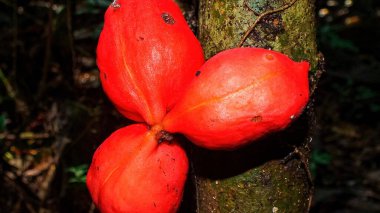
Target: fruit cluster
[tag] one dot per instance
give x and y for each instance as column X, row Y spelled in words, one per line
column 153, row 70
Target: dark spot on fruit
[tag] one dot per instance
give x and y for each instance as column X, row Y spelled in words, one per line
column 197, row 73
column 154, row 204
column 168, row 109
column 168, row 19
column 269, row 57
column 104, row 76
column 141, row 38
column 97, row 168
column 257, row 118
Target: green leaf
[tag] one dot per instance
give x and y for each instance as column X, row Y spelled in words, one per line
column 78, row 173
column 320, row 157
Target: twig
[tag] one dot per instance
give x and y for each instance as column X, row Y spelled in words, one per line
column 305, row 164
column 92, row 208
column 46, row 65
column 45, row 186
column 317, row 75
column 23, row 189
column 25, row 136
column 262, row 15
column 21, row 105
column 8, row 87
column 69, row 22
column 15, row 38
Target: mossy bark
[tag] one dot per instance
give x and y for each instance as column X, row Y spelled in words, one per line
column 260, row 177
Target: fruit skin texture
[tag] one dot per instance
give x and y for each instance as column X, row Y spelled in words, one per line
column 131, row 172
column 146, row 55
column 240, row 95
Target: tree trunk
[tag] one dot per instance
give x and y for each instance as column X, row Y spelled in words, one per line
column 265, row 176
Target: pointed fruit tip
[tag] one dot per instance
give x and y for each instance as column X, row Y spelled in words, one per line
column 304, row 66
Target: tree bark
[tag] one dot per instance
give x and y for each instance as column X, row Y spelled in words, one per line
column 272, row 174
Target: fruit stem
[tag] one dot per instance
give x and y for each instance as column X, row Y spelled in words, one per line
column 163, row 136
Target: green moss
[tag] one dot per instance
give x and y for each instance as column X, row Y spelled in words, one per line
column 221, row 25
column 260, row 189
column 298, row 41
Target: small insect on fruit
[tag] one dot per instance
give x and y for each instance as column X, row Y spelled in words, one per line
column 240, row 95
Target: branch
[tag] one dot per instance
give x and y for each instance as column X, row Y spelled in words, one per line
column 45, row 67
column 24, row 136
column 8, row 87
column 15, row 38
column 261, row 16
column 70, row 31
column 21, row 105
column 305, row 163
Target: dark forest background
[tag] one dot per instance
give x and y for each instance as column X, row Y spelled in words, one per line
column 53, row 112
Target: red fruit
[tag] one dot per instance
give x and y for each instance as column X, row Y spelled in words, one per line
column 131, row 172
column 240, row 95
column 146, row 54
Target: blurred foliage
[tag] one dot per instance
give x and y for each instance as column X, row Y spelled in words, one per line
column 319, row 158
column 78, row 173
column 329, row 37
column 346, row 150
column 348, row 36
